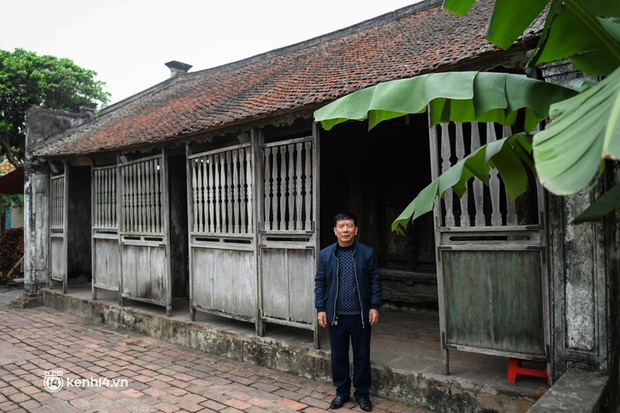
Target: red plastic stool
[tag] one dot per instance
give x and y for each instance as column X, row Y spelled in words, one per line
column 515, row 367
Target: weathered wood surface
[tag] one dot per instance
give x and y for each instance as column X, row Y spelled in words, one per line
column 223, row 271
column 288, row 175
column 288, row 285
column 144, row 209
column 288, row 240
column 480, row 206
column 58, row 257
column 106, row 257
column 491, row 279
column 104, row 198
column 107, row 262
column 57, row 202
column 141, row 196
column 494, row 300
column 145, row 272
column 221, row 192
column 224, row 281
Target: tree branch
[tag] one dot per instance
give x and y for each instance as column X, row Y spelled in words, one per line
column 4, row 142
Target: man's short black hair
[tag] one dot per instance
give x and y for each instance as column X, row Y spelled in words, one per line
column 342, row 216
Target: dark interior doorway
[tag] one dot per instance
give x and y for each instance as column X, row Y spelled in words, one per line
column 375, row 174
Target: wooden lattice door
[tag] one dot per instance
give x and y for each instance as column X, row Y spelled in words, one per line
column 288, row 231
column 145, row 231
column 491, row 255
column 58, row 229
column 105, row 232
column 222, row 232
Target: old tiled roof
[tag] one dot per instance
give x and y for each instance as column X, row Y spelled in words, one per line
column 417, row 39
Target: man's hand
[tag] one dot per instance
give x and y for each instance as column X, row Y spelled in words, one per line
column 373, row 317
column 322, row 318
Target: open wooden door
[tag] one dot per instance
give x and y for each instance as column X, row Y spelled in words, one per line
column 58, row 228
column 106, row 263
column 145, row 231
column 288, row 231
column 222, row 245
column 491, row 258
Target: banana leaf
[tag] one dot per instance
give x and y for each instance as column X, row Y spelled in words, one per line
column 608, row 202
column 458, row 97
column 584, row 131
column 508, row 155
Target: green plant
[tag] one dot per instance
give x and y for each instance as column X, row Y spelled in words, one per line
column 568, row 154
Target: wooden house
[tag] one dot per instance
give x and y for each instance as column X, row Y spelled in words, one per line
column 216, row 185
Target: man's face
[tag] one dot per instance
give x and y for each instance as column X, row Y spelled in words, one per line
column 345, row 231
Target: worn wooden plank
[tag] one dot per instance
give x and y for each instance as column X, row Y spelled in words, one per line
column 460, row 154
column 275, row 283
column 105, row 215
column 57, row 202
column 199, row 194
column 290, row 187
column 511, row 212
column 301, row 276
column 106, row 269
column 234, row 293
column 298, row 187
column 267, row 189
column 249, row 181
column 229, row 194
column 477, row 185
column 142, row 211
column 58, row 265
column 122, row 172
column 480, row 288
column 446, row 163
column 104, row 198
column 129, row 198
column 244, row 208
column 282, row 189
column 289, row 277
column 114, row 197
column 211, row 187
column 308, row 187
column 236, row 194
column 223, row 195
column 217, row 195
column 494, row 186
column 99, row 193
column 148, row 197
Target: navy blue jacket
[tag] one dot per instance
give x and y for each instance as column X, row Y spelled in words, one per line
column 367, row 275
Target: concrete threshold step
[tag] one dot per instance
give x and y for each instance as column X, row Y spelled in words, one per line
column 292, row 352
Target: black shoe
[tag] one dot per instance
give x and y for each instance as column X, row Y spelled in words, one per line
column 338, row 402
column 365, row 404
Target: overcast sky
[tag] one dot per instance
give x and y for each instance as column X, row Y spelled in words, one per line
column 127, row 42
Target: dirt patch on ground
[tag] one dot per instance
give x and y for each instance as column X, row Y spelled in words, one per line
column 11, row 251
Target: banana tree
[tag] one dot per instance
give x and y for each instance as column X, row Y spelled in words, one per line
column 568, row 154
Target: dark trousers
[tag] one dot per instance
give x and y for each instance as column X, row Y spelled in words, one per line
column 349, row 329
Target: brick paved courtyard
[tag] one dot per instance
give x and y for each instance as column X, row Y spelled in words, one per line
column 110, row 370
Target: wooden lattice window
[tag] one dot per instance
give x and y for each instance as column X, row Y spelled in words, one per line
column 222, row 191
column 288, row 185
column 141, row 202
column 481, row 205
column 104, row 212
column 57, row 218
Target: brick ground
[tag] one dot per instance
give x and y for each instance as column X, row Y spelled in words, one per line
column 160, row 376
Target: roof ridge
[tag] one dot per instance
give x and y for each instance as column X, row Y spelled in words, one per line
column 374, row 21
column 281, row 51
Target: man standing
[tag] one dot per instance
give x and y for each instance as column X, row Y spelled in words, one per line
column 347, row 298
